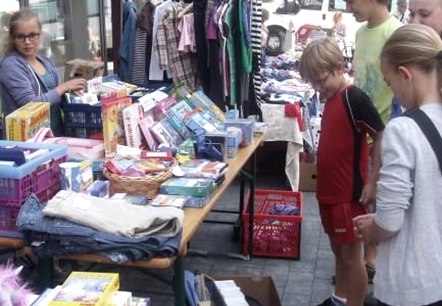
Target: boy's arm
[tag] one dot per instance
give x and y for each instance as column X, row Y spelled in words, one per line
column 369, row 192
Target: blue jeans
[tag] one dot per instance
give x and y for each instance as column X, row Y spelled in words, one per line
column 60, row 237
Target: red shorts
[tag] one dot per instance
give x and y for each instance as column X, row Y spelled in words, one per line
column 337, row 220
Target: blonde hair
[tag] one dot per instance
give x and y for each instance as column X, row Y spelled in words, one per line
column 321, row 55
column 337, row 17
column 24, row 14
column 414, row 45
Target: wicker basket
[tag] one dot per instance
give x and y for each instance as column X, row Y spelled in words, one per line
column 143, row 185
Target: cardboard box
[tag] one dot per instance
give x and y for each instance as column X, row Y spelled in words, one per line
column 307, row 176
column 261, row 289
column 81, row 68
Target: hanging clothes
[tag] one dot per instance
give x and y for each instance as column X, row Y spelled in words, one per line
column 168, row 38
column 127, row 42
column 252, row 106
column 143, row 46
column 187, row 34
column 155, row 72
column 199, row 11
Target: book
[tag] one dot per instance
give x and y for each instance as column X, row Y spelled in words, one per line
column 197, row 122
column 178, row 125
column 162, row 135
column 86, row 289
column 145, row 125
column 181, row 110
column 149, row 100
column 113, row 126
column 197, row 187
column 199, row 99
column 131, row 116
column 203, row 168
column 167, row 200
column 177, row 138
column 162, row 106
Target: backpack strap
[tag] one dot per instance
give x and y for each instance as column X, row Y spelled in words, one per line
column 430, row 131
column 350, row 113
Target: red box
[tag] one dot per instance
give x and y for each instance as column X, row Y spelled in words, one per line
column 274, row 235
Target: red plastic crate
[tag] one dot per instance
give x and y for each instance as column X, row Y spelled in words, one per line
column 274, row 235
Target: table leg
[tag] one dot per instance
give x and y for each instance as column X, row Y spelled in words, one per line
column 45, row 270
column 252, row 202
column 178, row 282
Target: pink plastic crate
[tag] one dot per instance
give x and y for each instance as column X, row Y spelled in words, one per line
column 40, row 176
column 274, row 235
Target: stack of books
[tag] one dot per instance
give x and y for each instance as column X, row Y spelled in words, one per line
column 197, row 190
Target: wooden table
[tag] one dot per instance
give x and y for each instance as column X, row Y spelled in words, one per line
column 193, row 218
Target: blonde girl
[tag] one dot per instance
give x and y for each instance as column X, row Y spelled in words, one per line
column 408, row 218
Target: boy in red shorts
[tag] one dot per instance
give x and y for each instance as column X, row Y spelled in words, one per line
column 344, row 187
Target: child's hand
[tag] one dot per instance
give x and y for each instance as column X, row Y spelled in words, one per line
column 368, row 195
column 363, row 226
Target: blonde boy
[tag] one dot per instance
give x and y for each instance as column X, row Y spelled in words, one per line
column 343, row 184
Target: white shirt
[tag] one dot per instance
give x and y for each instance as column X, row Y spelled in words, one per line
column 409, row 201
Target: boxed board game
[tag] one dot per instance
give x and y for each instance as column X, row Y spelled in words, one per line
column 24, row 122
column 86, row 289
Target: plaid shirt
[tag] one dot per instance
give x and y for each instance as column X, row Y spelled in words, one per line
column 161, row 46
column 180, row 63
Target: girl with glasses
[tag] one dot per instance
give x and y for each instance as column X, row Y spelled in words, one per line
column 27, row 76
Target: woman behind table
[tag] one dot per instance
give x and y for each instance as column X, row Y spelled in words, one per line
column 26, row 76
column 408, row 218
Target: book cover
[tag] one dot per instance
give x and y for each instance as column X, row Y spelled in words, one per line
column 197, row 122
column 197, row 187
column 162, row 106
column 149, row 100
column 177, row 138
column 162, row 135
column 212, row 107
column 182, row 110
column 131, row 116
column 113, row 126
column 86, row 289
column 178, row 125
column 212, row 119
column 167, row 200
column 145, row 125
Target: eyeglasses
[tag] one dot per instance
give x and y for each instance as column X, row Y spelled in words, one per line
column 22, row 38
column 320, row 82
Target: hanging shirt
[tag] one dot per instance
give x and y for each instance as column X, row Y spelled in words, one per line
column 155, row 72
column 187, row 34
